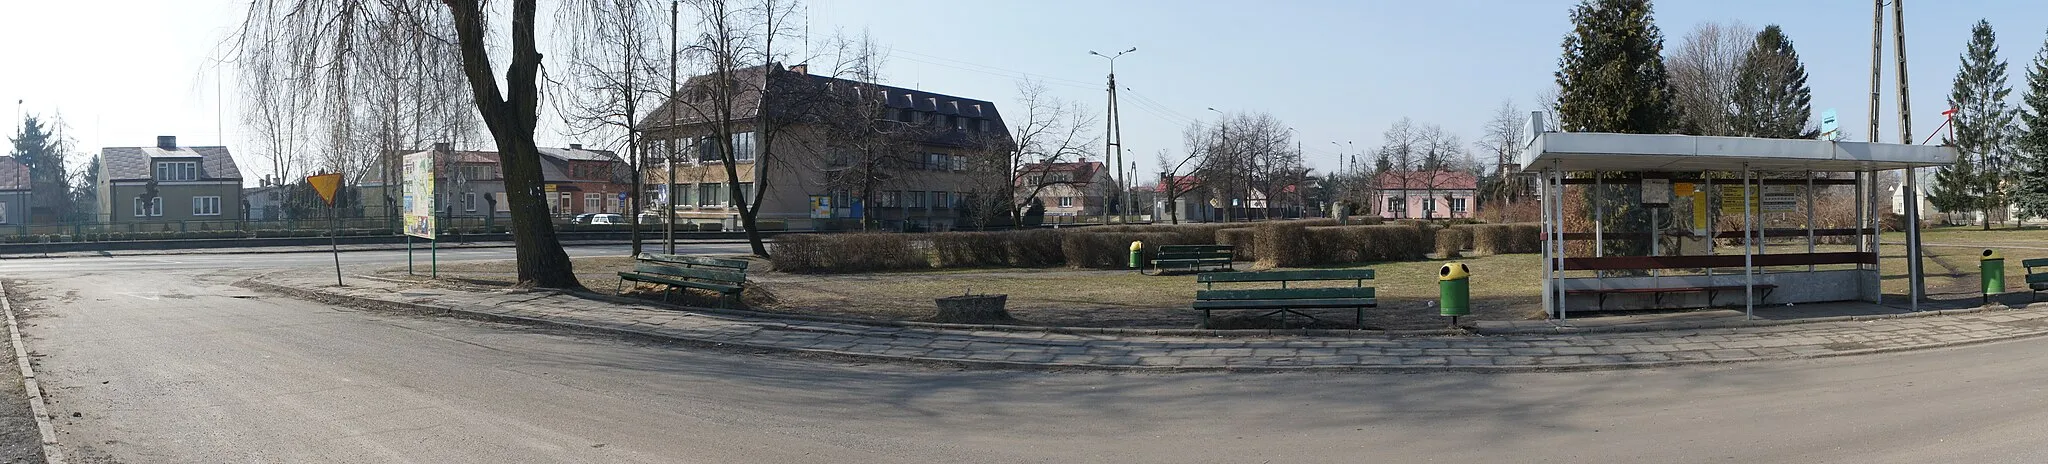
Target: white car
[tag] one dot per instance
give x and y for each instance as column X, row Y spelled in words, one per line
column 607, row 219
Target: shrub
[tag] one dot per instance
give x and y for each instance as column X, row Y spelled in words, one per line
column 1242, row 242
column 1111, row 250
column 711, row 227
column 969, row 249
column 1358, row 244
column 771, row 225
column 814, row 253
column 1282, row 245
column 1493, row 239
column 1452, row 240
column 1035, row 248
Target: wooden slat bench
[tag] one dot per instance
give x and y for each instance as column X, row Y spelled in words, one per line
column 1644, row 263
column 1285, row 300
column 2037, row 281
column 1193, row 257
column 728, row 277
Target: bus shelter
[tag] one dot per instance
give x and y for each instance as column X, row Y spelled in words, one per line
column 1634, row 221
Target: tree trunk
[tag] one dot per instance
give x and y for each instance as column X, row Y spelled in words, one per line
column 511, row 119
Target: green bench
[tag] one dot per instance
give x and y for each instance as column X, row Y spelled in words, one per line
column 1193, row 257
column 728, row 277
column 2037, row 282
column 1284, row 300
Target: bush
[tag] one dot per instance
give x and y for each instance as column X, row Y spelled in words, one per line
column 1452, row 240
column 771, row 225
column 969, row 249
column 1242, row 242
column 1359, row 244
column 1282, row 245
column 1111, row 250
column 1493, row 239
column 711, row 227
column 814, row 253
column 1035, row 248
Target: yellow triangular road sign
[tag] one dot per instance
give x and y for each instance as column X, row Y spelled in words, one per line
column 326, row 185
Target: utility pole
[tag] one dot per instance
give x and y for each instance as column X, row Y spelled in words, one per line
column 1918, row 282
column 1876, row 65
column 1113, row 141
column 1223, row 127
column 669, row 206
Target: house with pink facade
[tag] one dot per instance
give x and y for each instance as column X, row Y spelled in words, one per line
column 1425, row 194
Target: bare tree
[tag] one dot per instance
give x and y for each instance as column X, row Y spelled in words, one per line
column 1175, row 180
column 1053, row 130
column 614, row 66
column 1703, row 70
column 1505, row 137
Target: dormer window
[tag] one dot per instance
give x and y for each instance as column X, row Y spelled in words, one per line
column 171, row 171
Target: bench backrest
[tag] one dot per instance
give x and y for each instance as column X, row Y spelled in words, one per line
column 1617, row 263
column 695, row 261
column 1285, row 276
column 1163, row 249
column 704, row 274
column 1287, row 293
column 2036, row 262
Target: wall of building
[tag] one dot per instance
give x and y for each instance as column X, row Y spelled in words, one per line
column 15, row 210
column 177, row 201
column 1418, row 202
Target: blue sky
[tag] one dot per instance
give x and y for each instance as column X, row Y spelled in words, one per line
column 123, row 72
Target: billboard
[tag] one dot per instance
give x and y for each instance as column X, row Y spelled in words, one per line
column 419, row 195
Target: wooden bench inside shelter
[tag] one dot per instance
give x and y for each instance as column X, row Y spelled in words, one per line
column 1646, row 263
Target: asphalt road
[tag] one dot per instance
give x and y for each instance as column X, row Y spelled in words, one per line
column 163, row 361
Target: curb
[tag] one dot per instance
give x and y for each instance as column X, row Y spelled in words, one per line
column 52, row 454
column 262, row 251
column 373, row 303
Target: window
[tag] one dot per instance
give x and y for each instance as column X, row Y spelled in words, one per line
column 593, row 202
column 205, row 206
column 477, row 173
column 984, row 125
column 3, row 212
column 504, row 206
column 743, row 146
column 915, row 199
column 568, row 200
column 942, row 200
column 1428, row 205
column 1066, row 202
column 889, row 199
column 905, row 115
column 686, row 195
column 956, row 122
column 959, row 163
column 153, row 207
column 709, row 194
column 469, row 202
column 177, row 170
column 1457, row 205
column 1396, row 205
column 937, row 161
column 746, row 192
column 707, row 150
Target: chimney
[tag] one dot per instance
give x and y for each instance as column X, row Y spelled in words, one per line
column 575, row 146
column 800, row 68
column 443, row 147
column 167, row 142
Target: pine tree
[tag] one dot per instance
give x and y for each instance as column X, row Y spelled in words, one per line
column 42, row 149
column 1612, row 78
column 1771, row 97
column 2030, row 144
column 1982, row 125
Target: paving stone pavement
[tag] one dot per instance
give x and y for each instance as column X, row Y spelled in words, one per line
column 1368, row 351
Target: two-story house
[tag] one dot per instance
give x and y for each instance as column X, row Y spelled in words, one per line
column 168, row 182
column 844, row 152
column 14, row 191
column 1425, row 194
column 470, row 184
column 1081, row 188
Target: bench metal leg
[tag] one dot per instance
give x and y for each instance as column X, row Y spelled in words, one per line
column 1204, row 323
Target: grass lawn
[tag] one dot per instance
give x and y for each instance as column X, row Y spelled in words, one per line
column 1505, row 287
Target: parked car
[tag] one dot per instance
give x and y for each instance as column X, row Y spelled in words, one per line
column 605, row 219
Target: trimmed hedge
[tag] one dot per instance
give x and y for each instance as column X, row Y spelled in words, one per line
column 1028, row 248
column 1112, row 250
column 822, row 253
column 1282, row 244
column 1493, row 239
column 1035, row 248
column 1243, row 243
column 1452, row 240
column 1359, row 244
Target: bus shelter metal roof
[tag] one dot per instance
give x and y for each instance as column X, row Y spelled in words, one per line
column 1592, row 151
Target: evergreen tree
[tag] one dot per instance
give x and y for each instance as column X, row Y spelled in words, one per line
column 1612, row 78
column 1771, row 97
column 2030, row 144
column 42, row 149
column 1982, row 125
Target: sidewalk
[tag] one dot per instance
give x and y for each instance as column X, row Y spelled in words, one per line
column 1517, row 347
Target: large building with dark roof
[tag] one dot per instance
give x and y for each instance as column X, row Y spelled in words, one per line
column 845, row 151
column 168, row 182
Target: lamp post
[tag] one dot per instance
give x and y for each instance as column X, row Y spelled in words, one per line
column 1223, row 127
column 1113, row 139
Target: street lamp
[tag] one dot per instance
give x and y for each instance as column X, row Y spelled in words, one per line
column 1114, row 138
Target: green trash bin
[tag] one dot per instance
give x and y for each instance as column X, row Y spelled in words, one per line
column 1454, row 285
column 1137, row 247
column 1991, row 268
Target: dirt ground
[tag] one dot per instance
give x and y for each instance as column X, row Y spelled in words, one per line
column 20, row 442
column 1505, row 287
